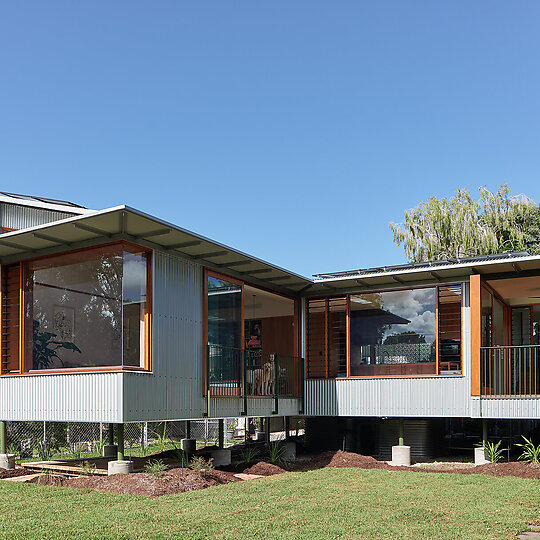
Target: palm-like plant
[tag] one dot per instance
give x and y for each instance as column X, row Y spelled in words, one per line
column 45, row 347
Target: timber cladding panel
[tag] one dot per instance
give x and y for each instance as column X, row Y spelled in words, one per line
column 11, row 283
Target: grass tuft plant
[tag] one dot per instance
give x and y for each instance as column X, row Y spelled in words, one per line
column 530, row 453
column 44, row 451
column 88, row 468
column 493, row 451
column 200, row 465
column 155, row 467
column 249, row 454
column 276, row 450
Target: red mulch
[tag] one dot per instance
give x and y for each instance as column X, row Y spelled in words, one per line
column 264, row 469
column 19, row 471
column 341, row 459
column 166, row 483
column 178, row 481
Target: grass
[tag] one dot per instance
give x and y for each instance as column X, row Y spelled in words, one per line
column 326, row 503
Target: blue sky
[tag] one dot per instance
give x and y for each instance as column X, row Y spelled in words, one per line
column 294, row 131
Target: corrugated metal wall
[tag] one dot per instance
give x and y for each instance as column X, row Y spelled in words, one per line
column 13, row 216
column 433, row 396
column 507, row 407
column 81, row 397
column 174, row 388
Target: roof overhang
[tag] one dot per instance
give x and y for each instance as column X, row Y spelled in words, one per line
column 125, row 223
column 496, row 267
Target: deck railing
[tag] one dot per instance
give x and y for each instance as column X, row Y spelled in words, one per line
column 510, row 371
column 253, row 373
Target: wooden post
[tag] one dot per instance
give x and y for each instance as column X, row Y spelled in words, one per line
column 476, row 332
column 484, row 431
column 401, row 432
column 111, row 434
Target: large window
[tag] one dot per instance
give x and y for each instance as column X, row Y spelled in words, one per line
column 87, row 309
column 385, row 333
column 393, row 333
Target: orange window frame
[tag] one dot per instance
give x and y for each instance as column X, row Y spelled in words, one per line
column 23, row 361
column 208, row 272
column 348, row 325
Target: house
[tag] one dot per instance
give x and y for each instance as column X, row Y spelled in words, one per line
column 116, row 316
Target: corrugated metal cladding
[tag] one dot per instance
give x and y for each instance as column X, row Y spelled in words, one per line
column 14, row 216
column 174, row 388
column 511, row 407
column 81, row 397
column 433, row 396
column 227, row 407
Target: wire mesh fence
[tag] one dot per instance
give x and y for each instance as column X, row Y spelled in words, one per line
column 75, row 439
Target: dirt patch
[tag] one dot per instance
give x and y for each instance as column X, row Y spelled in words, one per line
column 19, row 471
column 341, row 459
column 512, row 468
column 263, row 468
column 166, row 483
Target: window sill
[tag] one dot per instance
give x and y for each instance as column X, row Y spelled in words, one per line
column 71, row 371
column 420, row 376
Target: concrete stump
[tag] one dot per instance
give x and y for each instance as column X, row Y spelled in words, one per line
column 7, row 461
column 188, row 446
column 120, row 467
column 221, row 458
column 260, row 436
column 480, row 456
column 289, row 451
column 401, row 456
column 110, row 450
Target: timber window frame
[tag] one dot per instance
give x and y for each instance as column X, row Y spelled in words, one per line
column 22, row 302
column 446, row 363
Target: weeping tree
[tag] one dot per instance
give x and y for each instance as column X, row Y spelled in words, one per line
column 462, row 226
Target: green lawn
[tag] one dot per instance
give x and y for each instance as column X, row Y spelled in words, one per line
column 326, row 503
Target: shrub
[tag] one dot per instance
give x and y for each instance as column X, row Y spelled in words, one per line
column 201, row 465
column 155, row 467
column 275, row 452
column 44, row 451
column 530, row 452
column 493, row 451
column 249, row 454
column 88, row 468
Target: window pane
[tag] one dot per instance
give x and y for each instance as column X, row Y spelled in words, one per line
column 73, row 307
column 393, row 333
column 134, row 308
column 450, row 329
column 224, row 313
column 86, row 309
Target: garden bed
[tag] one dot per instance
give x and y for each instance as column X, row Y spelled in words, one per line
column 180, row 480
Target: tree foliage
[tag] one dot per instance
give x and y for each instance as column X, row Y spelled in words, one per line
column 462, row 226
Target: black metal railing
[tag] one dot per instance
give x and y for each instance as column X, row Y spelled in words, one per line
column 510, row 370
column 252, row 373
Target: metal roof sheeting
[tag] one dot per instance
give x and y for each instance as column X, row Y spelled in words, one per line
column 125, row 223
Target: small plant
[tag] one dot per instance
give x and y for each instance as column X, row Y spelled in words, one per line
column 276, row 450
column 249, row 454
column 13, row 448
column 200, row 465
column 88, row 468
column 493, row 451
column 44, row 451
column 155, row 467
column 144, row 447
column 530, row 453
column 162, row 437
column 98, row 448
